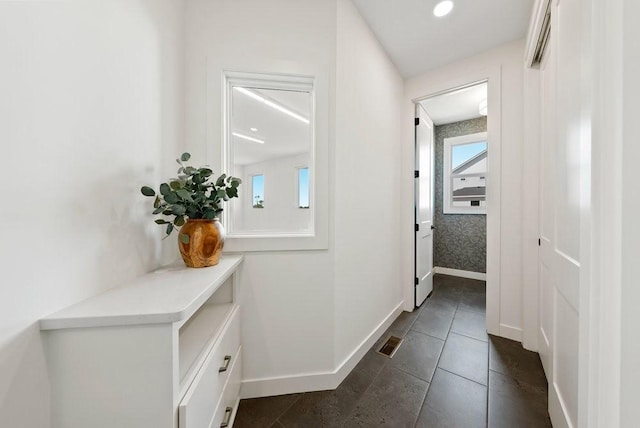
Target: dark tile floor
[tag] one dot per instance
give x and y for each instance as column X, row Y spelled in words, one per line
column 448, row 372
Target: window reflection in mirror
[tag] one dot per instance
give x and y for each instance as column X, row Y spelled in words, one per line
column 269, row 136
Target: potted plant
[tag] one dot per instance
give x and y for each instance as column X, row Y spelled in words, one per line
column 192, row 202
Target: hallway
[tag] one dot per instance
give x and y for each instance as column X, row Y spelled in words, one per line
column 447, row 373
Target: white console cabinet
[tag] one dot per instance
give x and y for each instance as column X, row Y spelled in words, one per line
column 161, row 352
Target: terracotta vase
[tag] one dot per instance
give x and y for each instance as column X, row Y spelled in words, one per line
column 206, row 239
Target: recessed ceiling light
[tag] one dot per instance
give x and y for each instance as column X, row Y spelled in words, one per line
column 443, row 8
column 254, row 129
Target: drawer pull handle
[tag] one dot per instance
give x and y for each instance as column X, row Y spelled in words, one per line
column 227, row 417
column 227, row 361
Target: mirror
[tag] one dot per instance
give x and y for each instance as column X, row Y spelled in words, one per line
column 269, row 145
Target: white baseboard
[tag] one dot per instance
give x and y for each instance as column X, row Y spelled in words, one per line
column 322, row 381
column 513, row 333
column 461, row 273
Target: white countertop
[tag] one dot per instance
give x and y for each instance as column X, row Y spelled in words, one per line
column 170, row 294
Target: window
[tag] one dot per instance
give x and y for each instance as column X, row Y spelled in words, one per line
column 257, row 186
column 303, row 187
column 464, row 175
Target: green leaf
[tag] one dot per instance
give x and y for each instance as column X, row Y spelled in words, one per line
column 147, row 191
column 171, row 198
column 232, row 192
column 175, row 184
column 220, row 180
column 235, row 183
column 185, row 157
column 158, row 210
column 164, row 189
column 190, row 170
column 210, row 214
column 184, row 238
column 169, row 228
column 160, row 221
column 184, row 194
column 157, row 202
column 178, row 210
column 179, row 221
column 221, row 193
column 205, row 172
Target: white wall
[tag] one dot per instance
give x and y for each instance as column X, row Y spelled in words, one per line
column 369, row 100
column 288, row 298
column 91, row 109
column 281, row 211
column 508, row 59
column 305, row 312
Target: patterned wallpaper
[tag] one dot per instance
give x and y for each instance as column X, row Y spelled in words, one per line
column 460, row 240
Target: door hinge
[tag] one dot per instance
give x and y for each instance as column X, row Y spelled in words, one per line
column 417, row 228
column 539, row 242
column 417, row 281
column 416, row 174
column 416, row 121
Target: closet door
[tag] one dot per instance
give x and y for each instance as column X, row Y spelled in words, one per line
column 560, row 215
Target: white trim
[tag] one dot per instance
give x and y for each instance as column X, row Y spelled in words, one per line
column 510, row 332
column 600, row 342
column 266, row 387
column 535, row 26
column 460, row 273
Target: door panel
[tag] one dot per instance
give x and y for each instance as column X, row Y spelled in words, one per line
column 560, row 212
column 424, row 205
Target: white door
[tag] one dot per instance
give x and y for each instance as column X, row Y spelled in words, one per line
column 560, row 215
column 424, row 205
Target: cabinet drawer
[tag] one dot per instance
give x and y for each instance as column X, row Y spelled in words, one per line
column 228, row 407
column 204, row 395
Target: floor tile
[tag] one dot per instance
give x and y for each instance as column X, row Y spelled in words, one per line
column 510, row 358
column 263, row 412
column 404, row 321
column 515, row 404
column 399, row 327
column 393, row 400
column 473, row 301
column 434, row 320
column 466, row 357
column 472, row 324
column 331, row 408
column 453, row 401
column 418, row 355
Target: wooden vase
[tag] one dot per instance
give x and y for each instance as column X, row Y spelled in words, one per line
column 206, row 239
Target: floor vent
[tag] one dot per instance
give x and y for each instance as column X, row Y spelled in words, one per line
column 390, row 346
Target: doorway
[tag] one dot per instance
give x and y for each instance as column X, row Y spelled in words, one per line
column 451, row 159
column 492, row 79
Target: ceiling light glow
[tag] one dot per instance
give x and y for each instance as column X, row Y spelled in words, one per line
column 271, row 104
column 246, row 137
column 443, row 8
column 254, row 129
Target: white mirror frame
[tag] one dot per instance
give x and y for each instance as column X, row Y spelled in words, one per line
column 317, row 237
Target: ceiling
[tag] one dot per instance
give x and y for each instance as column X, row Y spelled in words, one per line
column 282, row 134
column 456, row 106
column 417, row 41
